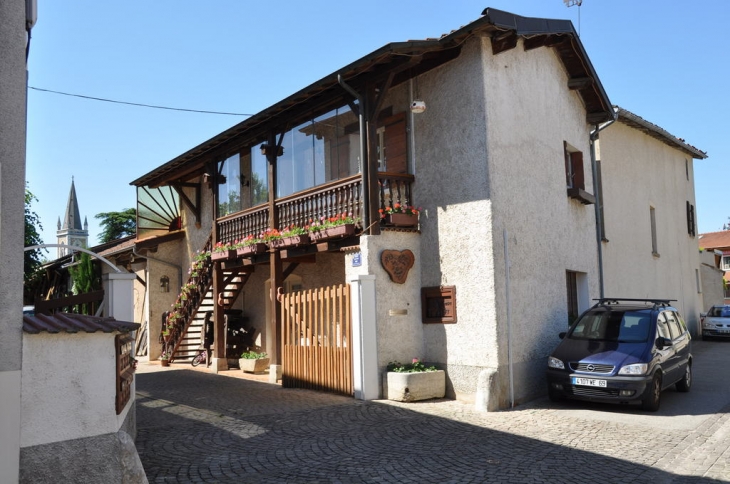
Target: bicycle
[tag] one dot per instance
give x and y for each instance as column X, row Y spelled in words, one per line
column 201, row 357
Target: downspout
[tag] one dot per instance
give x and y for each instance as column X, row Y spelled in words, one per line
column 599, row 202
column 363, row 150
column 509, row 320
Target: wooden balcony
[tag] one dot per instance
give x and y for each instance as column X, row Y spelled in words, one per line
column 329, row 200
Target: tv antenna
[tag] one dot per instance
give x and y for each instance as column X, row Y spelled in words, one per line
column 571, row 3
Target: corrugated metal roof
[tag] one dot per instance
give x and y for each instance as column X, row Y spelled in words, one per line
column 74, row 323
column 630, row 119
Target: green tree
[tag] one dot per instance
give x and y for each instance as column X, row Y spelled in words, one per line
column 32, row 259
column 116, row 225
column 84, row 279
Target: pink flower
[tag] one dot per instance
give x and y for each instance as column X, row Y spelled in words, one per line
column 415, row 360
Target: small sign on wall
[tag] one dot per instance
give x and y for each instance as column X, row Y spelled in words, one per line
column 438, row 304
column 356, row 259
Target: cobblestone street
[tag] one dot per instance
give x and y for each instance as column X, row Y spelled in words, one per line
column 199, row 427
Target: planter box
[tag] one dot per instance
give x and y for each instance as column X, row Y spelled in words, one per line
column 333, row 233
column 223, row 255
column 251, row 250
column 401, row 220
column 253, row 366
column 285, row 242
column 411, row 387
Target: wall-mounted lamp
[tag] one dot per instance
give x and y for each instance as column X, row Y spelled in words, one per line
column 165, row 283
column 418, row 106
column 266, row 149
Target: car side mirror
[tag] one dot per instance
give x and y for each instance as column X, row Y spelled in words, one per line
column 661, row 342
column 562, row 334
column 703, row 315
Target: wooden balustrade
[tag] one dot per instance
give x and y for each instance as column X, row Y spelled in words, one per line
column 329, row 200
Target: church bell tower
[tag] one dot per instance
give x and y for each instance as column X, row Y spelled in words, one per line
column 71, row 233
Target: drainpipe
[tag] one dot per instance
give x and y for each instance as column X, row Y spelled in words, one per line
column 363, row 151
column 599, row 202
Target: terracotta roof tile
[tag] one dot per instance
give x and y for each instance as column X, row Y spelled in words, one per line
column 74, row 323
column 715, row 240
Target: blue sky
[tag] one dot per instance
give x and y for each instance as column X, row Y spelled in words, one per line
column 665, row 60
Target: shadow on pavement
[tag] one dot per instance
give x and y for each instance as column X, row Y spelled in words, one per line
column 199, row 427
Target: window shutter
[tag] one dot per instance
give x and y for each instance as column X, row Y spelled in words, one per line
column 396, row 146
column 576, row 159
column 690, row 219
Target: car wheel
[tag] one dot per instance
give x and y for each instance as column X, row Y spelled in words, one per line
column 652, row 394
column 685, row 383
column 554, row 395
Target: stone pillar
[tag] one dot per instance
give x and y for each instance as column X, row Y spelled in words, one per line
column 364, row 334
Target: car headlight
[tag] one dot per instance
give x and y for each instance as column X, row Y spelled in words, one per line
column 555, row 363
column 635, row 369
column 708, row 325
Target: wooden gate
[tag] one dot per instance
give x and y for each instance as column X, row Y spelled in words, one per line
column 317, row 339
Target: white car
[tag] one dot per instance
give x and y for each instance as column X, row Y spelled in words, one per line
column 716, row 323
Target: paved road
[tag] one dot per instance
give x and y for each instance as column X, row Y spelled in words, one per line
column 198, row 427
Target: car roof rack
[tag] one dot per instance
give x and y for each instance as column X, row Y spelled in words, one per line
column 608, row 301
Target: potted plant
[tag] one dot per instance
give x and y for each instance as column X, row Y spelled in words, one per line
column 400, row 215
column 249, row 246
column 165, row 359
column 413, row 381
column 223, row 251
column 333, row 227
column 253, row 362
column 290, row 236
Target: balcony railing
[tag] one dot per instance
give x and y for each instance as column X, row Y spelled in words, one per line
column 341, row 196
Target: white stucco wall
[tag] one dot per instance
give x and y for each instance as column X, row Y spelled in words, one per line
column 398, row 306
column 65, row 396
column 639, row 172
column 711, row 281
column 489, row 160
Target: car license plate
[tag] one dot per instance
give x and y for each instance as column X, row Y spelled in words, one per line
column 591, row 382
column 723, row 331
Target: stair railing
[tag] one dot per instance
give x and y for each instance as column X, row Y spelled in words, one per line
column 189, row 300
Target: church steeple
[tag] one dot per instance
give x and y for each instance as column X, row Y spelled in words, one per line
column 71, row 232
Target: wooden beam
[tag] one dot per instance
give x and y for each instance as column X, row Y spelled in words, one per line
column 504, row 42
column 579, row 83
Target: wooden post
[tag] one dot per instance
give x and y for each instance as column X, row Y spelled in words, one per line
column 219, row 342
column 273, row 343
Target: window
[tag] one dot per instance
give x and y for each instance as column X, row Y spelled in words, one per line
column 323, row 149
column 575, row 175
column 229, row 191
column 662, row 328
column 725, row 263
column 652, row 216
column 674, row 327
column 691, row 219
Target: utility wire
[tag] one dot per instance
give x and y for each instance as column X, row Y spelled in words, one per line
column 136, row 104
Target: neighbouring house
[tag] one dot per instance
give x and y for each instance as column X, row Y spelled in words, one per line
column 456, row 204
column 719, row 244
column 712, row 280
column 648, row 221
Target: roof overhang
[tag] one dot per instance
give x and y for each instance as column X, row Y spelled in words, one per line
column 637, row 122
column 401, row 61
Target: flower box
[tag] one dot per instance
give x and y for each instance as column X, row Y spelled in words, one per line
column 292, row 241
column 411, row 387
column 340, row 231
column 253, row 365
column 401, row 219
column 251, row 250
column 223, row 254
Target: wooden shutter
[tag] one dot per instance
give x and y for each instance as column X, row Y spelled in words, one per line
column 396, row 144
